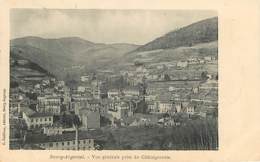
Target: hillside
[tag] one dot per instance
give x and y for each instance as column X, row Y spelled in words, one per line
column 200, row 32
column 59, row 56
column 196, row 40
column 55, row 55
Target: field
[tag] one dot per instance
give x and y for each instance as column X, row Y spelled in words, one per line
column 197, row 134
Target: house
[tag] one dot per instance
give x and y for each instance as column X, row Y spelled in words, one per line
column 165, row 106
column 96, row 92
column 152, row 77
column 84, row 78
column 37, row 86
column 15, row 105
column 37, row 120
column 193, row 61
column 78, row 101
column 46, row 82
column 22, row 62
column 208, row 58
column 113, row 93
column 169, row 122
column 182, row 64
column 51, row 104
column 185, row 107
column 61, row 83
column 140, row 122
column 166, row 121
column 53, row 80
column 180, row 106
column 190, row 109
column 150, row 97
column 81, row 89
column 195, row 90
column 160, row 66
column 94, row 103
column 164, row 103
column 89, row 119
column 152, row 106
column 201, row 61
column 131, row 92
column 141, row 69
column 49, row 131
column 120, row 110
column 91, row 106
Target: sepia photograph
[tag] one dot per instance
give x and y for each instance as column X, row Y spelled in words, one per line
column 112, row 79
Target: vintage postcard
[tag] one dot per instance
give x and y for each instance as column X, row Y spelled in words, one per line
column 101, row 81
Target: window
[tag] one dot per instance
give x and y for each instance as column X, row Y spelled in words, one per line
column 36, row 120
column 57, row 143
column 49, row 119
column 62, row 143
column 45, row 119
column 31, row 120
column 73, row 142
column 40, row 119
column 68, row 143
column 51, row 144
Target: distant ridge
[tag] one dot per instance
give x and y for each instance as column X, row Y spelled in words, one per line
column 56, row 54
column 200, row 32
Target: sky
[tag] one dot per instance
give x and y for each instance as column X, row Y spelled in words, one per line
column 102, row 26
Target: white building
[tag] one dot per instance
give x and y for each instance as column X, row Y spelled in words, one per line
column 131, row 92
column 207, row 58
column 120, row 110
column 84, row 78
column 77, row 140
column 81, row 89
column 182, row 64
column 49, row 131
column 165, row 106
column 51, row 104
column 37, row 120
column 61, row 83
column 113, row 93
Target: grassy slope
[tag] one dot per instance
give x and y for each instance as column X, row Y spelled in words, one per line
column 56, row 54
column 199, row 32
column 198, row 134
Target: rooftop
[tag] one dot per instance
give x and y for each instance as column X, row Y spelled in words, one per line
column 67, row 136
column 37, row 115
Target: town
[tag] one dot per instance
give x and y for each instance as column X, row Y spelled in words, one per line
column 111, row 108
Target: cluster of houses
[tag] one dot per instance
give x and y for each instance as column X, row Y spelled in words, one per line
column 196, row 61
column 145, row 100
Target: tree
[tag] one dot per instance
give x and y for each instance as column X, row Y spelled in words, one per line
column 111, row 141
column 141, row 107
column 167, row 77
column 14, row 84
column 166, row 115
column 204, row 75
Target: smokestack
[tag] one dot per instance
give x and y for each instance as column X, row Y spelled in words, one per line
column 24, row 140
column 77, row 138
column 19, row 107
